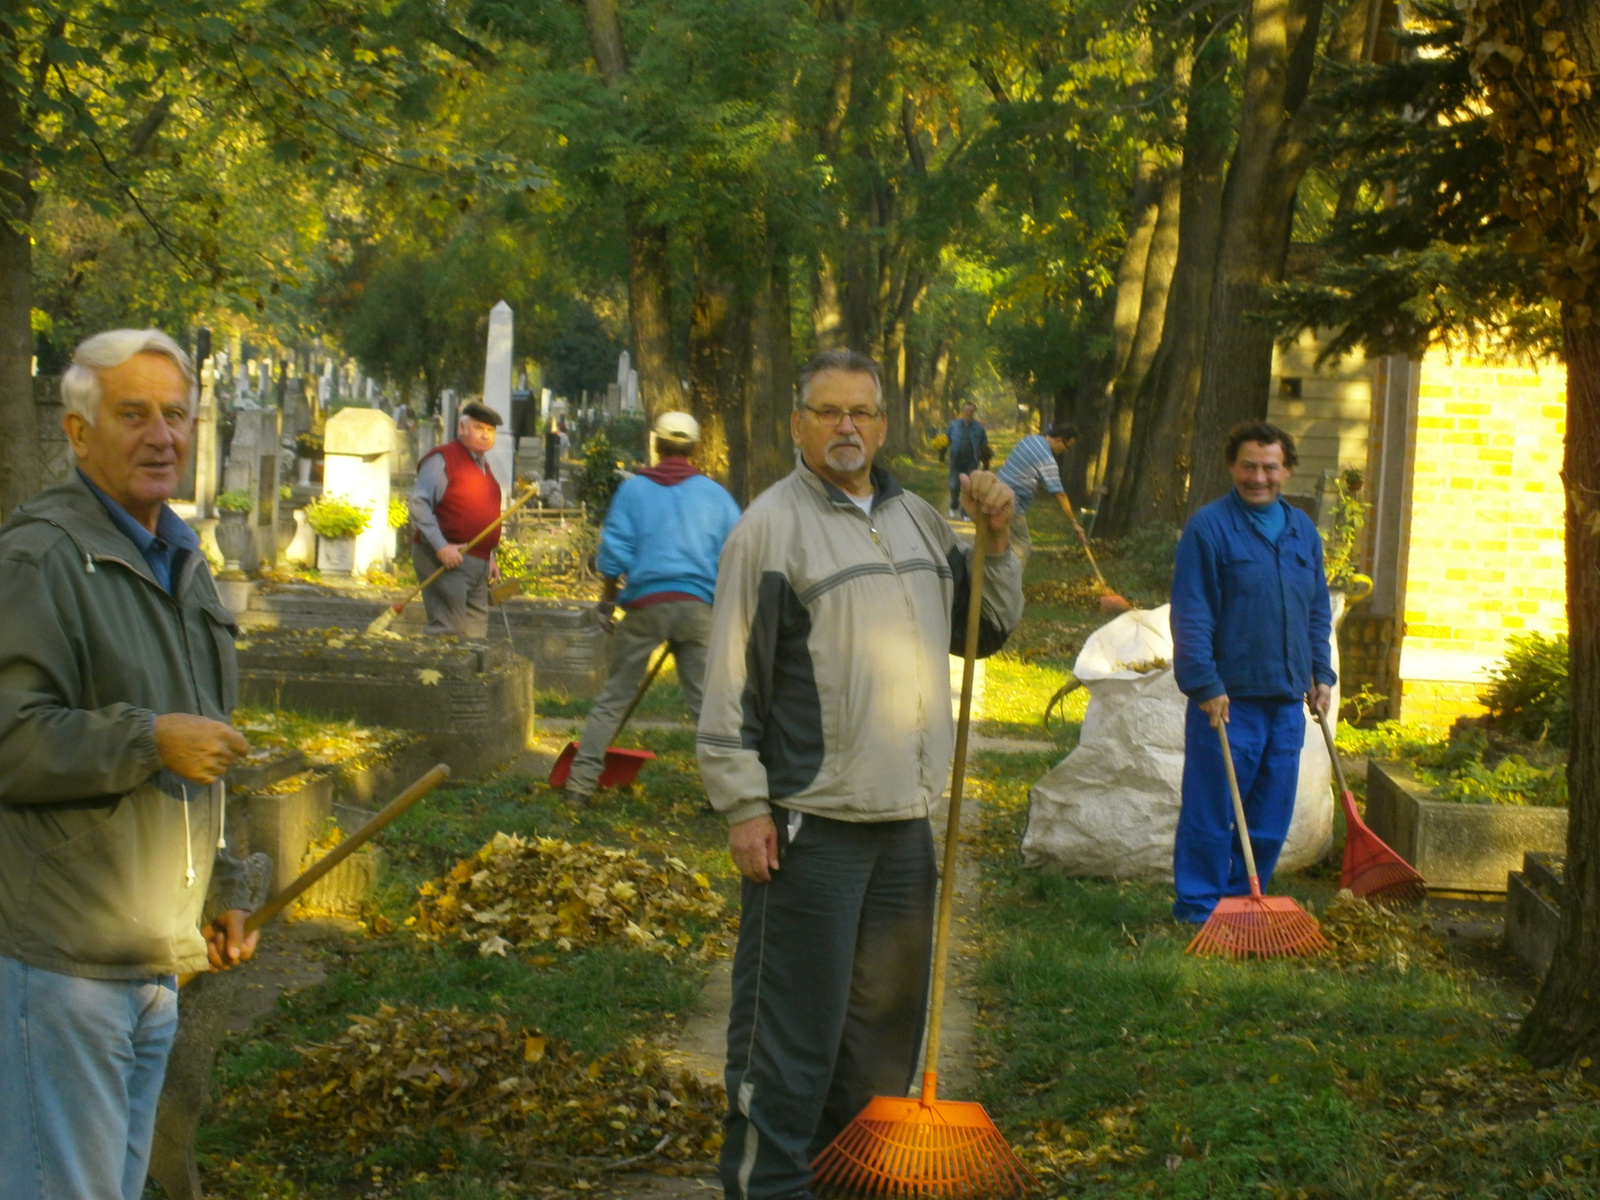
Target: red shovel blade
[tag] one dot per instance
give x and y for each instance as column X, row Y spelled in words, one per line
column 621, row 769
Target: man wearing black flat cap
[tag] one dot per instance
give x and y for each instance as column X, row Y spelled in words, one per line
column 456, row 496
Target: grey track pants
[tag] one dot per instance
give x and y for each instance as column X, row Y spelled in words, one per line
column 830, row 984
column 458, row 601
column 685, row 625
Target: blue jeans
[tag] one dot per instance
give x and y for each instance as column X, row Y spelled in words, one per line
column 1207, row 864
column 81, row 1065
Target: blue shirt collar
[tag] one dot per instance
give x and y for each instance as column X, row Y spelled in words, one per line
column 161, row 549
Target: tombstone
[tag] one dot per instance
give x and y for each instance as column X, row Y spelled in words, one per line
column 358, row 453
column 298, row 414
column 624, row 365
column 204, row 455
column 613, row 404
column 497, row 393
column 630, row 393
column 447, row 410
column 544, row 404
column 253, row 465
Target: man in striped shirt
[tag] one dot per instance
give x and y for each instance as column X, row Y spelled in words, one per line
column 1030, row 466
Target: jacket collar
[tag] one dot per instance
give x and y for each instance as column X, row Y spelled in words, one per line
column 884, row 486
column 77, row 512
column 1241, row 515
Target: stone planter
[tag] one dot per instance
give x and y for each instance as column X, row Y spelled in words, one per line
column 235, row 593
column 1457, row 847
column 336, row 556
column 303, row 467
column 234, row 538
column 1533, row 910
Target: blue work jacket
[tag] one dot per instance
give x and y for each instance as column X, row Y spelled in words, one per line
column 1250, row 618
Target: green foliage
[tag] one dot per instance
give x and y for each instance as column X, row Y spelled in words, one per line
column 597, row 480
column 308, row 444
column 236, row 500
column 399, row 512
column 1341, row 540
column 1389, row 741
column 1528, row 694
column 1146, row 560
column 582, row 357
column 336, row 517
column 1460, row 771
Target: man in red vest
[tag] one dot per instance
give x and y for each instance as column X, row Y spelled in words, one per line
column 455, row 498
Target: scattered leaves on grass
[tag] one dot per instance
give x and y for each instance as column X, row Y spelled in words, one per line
column 407, row 1072
column 1083, row 592
column 1363, row 935
column 518, row 893
column 1058, row 1151
column 324, row 743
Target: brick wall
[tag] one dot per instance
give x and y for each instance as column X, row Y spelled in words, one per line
column 1485, row 558
column 1366, row 656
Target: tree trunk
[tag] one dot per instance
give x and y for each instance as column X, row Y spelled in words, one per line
column 771, row 382
column 1257, row 217
column 1132, row 403
column 896, row 387
column 719, row 371
column 1159, row 474
column 19, row 435
column 1564, row 1026
column 827, row 316
column 649, row 274
column 650, row 314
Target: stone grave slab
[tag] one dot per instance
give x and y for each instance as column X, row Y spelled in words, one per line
column 472, row 700
column 358, row 459
column 1533, row 910
column 1457, row 847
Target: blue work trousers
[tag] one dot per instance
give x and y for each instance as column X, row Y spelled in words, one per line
column 81, row 1067
column 1207, row 863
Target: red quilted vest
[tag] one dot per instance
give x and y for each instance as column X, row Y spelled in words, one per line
column 471, row 499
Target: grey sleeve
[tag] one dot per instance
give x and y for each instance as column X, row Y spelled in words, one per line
column 425, row 495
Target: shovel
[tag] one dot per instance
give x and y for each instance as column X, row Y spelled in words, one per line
column 622, row 766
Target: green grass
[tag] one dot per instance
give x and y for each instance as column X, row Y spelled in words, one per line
column 1143, row 1071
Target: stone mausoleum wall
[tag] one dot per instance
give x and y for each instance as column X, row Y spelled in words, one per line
column 1486, row 556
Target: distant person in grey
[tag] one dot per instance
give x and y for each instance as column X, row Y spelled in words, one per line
column 455, row 498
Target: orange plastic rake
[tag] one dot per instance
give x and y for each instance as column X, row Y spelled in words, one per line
column 1371, row 869
column 928, row 1146
column 1255, row 926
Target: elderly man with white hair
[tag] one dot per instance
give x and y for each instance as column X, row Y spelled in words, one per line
column 455, row 498
column 117, row 677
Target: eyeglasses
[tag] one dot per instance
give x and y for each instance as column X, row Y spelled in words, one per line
column 833, row 416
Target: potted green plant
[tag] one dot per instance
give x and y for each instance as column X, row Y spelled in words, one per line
column 336, row 522
column 399, row 521
column 234, row 537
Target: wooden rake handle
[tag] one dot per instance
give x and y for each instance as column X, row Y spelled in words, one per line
column 1338, row 767
column 1238, row 809
column 952, row 832
column 649, row 678
column 380, row 821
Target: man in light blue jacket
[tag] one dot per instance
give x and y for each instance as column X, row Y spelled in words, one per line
column 658, row 552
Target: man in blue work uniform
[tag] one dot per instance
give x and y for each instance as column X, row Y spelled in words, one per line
column 969, row 450
column 1250, row 627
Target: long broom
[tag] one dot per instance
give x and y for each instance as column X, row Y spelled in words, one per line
column 1110, row 601
column 930, row 1147
column 1371, row 869
column 1255, row 926
column 383, row 620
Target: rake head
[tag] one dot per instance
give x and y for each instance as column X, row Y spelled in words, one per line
column 1259, row 927
column 1371, row 869
column 948, row 1149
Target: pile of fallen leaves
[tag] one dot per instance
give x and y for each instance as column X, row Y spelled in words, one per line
column 1363, row 935
column 1082, row 592
column 1491, row 1110
column 324, row 743
column 406, row 1072
column 1062, row 1152
column 518, row 893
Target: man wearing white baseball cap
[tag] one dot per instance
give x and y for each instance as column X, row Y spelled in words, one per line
column 658, row 552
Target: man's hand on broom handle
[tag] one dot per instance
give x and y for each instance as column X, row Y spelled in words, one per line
column 1319, row 698
column 1217, row 709
column 754, row 846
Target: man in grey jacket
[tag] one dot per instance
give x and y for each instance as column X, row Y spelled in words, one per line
column 825, row 737
column 117, row 674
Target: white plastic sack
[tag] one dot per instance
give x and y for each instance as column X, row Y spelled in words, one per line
column 1110, row 808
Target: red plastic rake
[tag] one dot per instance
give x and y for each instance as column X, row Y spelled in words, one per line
column 1255, row 926
column 1371, row 869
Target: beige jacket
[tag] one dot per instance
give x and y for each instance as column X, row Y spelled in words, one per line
column 828, row 682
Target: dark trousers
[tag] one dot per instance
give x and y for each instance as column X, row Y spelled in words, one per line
column 830, row 988
column 458, row 601
column 1207, row 862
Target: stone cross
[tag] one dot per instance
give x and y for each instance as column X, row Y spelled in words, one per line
column 358, row 450
column 497, row 392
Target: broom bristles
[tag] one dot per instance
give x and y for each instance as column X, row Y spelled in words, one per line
column 905, row 1148
column 1259, row 927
